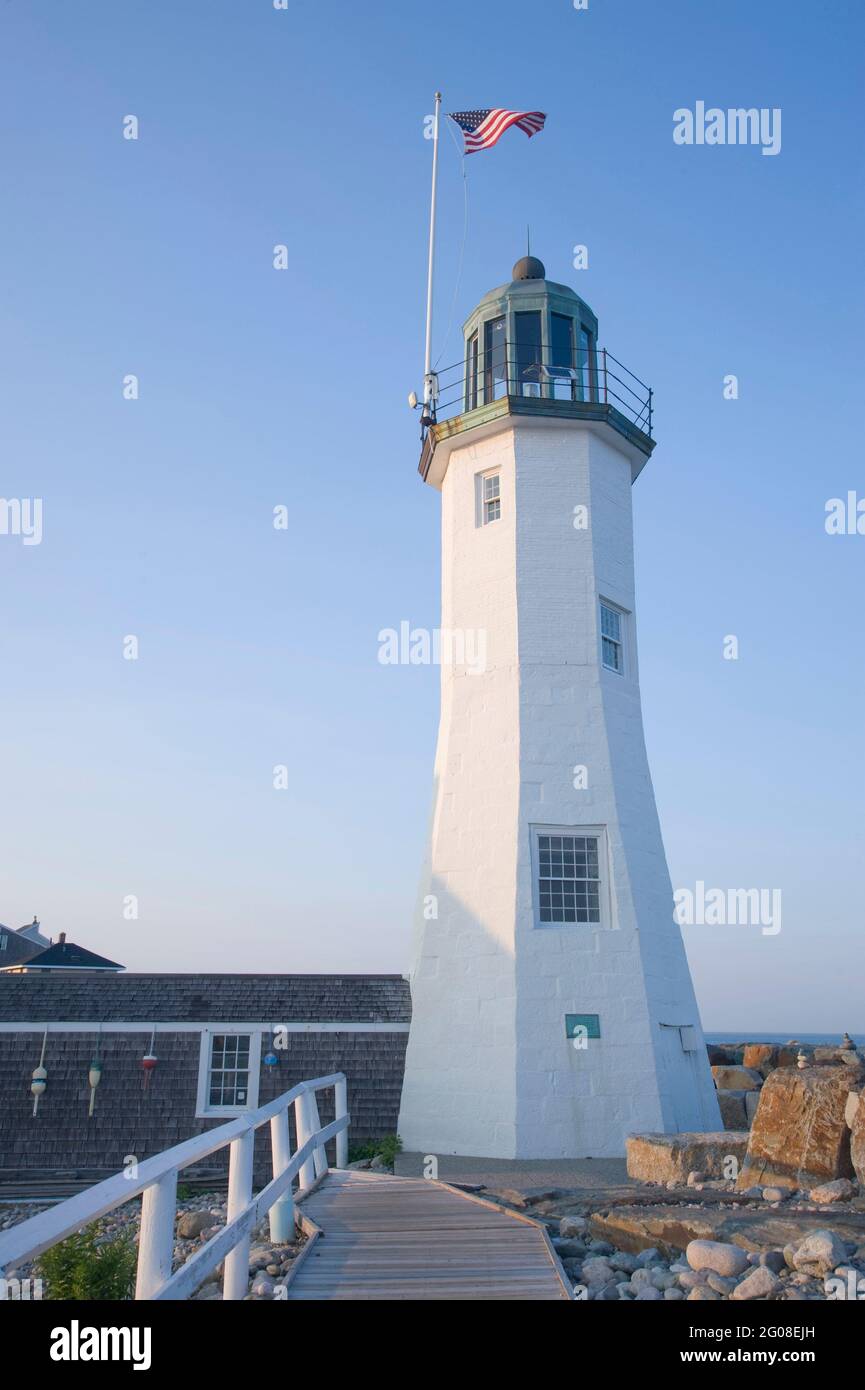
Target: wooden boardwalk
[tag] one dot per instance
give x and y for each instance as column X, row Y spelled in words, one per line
column 372, row 1236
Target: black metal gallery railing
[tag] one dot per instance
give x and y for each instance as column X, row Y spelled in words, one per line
column 593, row 376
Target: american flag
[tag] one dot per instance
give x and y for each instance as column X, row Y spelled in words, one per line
column 481, row 129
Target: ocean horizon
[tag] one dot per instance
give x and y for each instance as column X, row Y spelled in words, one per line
column 738, row 1035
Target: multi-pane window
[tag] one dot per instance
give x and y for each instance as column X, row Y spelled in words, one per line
column 611, row 638
column 228, row 1078
column 491, row 497
column 569, row 883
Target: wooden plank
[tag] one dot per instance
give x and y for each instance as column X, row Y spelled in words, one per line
column 401, row 1239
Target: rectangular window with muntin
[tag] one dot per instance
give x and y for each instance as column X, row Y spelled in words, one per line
column 491, row 498
column 612, row 645
column 567, row 877
column 228, row 1071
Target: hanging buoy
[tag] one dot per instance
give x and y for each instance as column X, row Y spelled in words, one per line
column 40, row 1076
column 271, row 1059
column 149, row 1060
column 94, row 1076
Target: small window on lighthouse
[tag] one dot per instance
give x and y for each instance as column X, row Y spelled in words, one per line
column 492, row 498
column 611, row 638
column 568, row 878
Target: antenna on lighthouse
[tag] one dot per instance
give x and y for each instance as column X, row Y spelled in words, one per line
column 430, row 379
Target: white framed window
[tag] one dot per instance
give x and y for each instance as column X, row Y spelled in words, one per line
column 491, row 498
column 612, row 637
column 228, row 1071
column 569, row 875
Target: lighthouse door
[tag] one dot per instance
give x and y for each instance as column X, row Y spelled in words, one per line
column 679, row 1076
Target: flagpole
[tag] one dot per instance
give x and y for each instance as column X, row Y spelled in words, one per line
column 430, row 385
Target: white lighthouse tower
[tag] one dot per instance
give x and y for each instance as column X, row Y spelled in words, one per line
column 553, row 1010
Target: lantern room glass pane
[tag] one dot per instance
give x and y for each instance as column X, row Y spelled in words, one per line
column 587, row 367
column 564, row 385
column 472, row 372
column 495, row 359
column 527, row 327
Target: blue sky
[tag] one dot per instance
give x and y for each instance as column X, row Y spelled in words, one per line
column 259, row 388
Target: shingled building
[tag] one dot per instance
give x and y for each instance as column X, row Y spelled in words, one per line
column 223, row 1044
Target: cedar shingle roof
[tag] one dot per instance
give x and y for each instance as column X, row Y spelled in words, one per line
column 196, row 998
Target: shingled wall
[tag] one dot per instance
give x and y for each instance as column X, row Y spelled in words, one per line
column 133, row 1119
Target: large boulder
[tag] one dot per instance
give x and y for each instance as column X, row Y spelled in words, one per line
column 763, row 1057
column 799, row 1137
column 857, row 1138
column 734, row 1114
column 737, row 1078
column 719, row 1256
column 664, row 1158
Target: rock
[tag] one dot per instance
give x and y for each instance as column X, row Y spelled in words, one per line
column 192, row 1223
column 661, row 1278
column 358, row 1164
column 272, row 1270
column 752, row 1101
column 774, row 1260
column 262, row 1288
column 608, row 1293
column 760, row 1055
column 692, row 1279
column 669, row 1158
column 774, row 1194
column 763, row 1057
column 732, row 1107
column 737, row 1078
column 841, row 1190
column 851, row 1107
column 572, row 1226
column 718, row 1256
column 721, row 1285
column 622, row 1260
column 670, row 1228
column 569, row 1249
column 760, row 1283
column 799, row 1136
column 703, row 1294
column 672, row 1295
column 857, row 1142
column 819, row 1253
column 597, row 1271
column 695, row 1177
column 648, row 1257
column 649, row 1294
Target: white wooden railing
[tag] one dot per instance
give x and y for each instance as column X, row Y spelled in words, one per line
column 156, row 1178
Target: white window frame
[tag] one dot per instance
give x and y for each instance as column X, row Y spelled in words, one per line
column 621, row 643
column 481, row 501
column 203, row 1108
column 598, row 832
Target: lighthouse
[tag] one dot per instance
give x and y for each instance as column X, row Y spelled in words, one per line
column 553, row 1011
